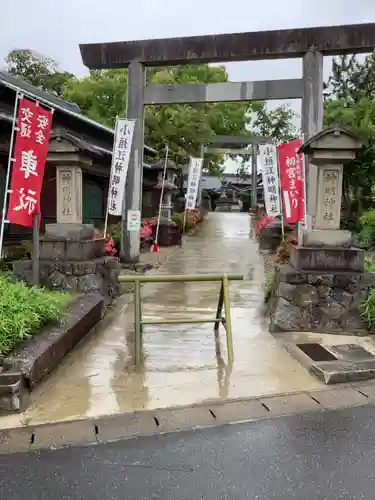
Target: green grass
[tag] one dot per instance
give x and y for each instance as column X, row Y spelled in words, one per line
column 24, row 310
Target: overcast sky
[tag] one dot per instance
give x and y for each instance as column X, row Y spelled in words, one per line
column 56, row 28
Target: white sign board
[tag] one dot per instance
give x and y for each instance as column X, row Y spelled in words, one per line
column 120, row 161
column 134, row 220
column 270, row 177
column 195, row 169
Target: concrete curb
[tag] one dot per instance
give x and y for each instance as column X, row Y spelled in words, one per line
column 174, row 419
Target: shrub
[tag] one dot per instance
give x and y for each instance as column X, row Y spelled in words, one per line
column 24, row 310
column 367, row 228
column 193, row 217
column 268, row 286
column 19, row 252
column 368, row 310
column 284, row 250
column 369, row 264
column 115, row 231
column 264, row 222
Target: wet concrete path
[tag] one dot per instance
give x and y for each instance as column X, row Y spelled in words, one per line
column 180, row 363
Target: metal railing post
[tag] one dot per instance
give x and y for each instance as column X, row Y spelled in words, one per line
column 228, row 322
column 223, row 301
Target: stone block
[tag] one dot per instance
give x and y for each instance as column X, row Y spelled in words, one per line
column 176, row 419
column 340, row 398
column 334, row 372
column 331, row 259
column 352, row 352
column 306, row 296
column 125, row 426
column 237, row 411
column 73, row 250
column 15, row 440
column 290, row 275
column 291, row 403
column 14, row 395
column 62, row 434
column 327, row 237
column 286, row 317
column 68, row 231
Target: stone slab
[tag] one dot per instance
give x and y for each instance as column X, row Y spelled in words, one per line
column 339, row 398
column 61, row 434
column 16, row 440
column 351, row 352
column 183, row 418
column 125, row 426
column 368, row 390
column 235, row 411
column 70, row 250
column 333, row 372
column 332, row 259
column 326, row 237
column 291, row 403
column 36, row 357
column 69, row 231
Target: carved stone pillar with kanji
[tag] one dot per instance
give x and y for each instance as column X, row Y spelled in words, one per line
column 69, row 194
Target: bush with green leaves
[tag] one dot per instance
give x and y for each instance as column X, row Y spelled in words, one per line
column 24, row 310
column 367, row 228
column 368, row 310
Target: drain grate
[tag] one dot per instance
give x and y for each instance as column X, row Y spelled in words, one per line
column 316, row 352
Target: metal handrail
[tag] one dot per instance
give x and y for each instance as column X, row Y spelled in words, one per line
column 184, row 278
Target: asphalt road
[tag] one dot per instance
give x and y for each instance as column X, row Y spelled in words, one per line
column 328, row 455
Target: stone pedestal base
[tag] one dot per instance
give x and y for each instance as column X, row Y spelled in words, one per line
column 321, row 290
column 329, row 238
column 328, row 259
column 69, row 231
column 96, row 275
column 71, row 259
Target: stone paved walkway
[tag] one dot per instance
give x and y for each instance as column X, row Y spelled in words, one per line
column 180, row 364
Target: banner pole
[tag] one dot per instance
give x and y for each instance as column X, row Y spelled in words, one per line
column 162, row 193
column 110, row 179
column 9, row 168
column 186, row 195
column 35, row 255
column 280, row 195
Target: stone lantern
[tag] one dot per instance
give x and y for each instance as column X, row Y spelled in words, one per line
column 322, row 287
column 169, row 233
column 329, row 151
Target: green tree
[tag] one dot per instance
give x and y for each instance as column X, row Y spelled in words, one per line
column 352, row 79
column 350, row 102
column 102, row 96
column 38, row 70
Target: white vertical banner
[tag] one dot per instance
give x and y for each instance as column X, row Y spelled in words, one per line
column 195, row 169
column 270, row 177
column 120, row 162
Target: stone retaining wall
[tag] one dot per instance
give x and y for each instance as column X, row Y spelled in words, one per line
column 96, row 275
column 319, row 302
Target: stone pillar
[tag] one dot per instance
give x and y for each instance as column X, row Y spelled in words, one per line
column 69, row 195
column 312, row 121
column 133, row 190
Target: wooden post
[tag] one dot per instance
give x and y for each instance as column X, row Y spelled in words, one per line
column 35, row 255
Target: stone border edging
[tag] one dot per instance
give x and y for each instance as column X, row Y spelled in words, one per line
column 39, row 355
column 145, row 423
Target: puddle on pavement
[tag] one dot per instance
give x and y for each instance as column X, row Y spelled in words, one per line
column 180, row 364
